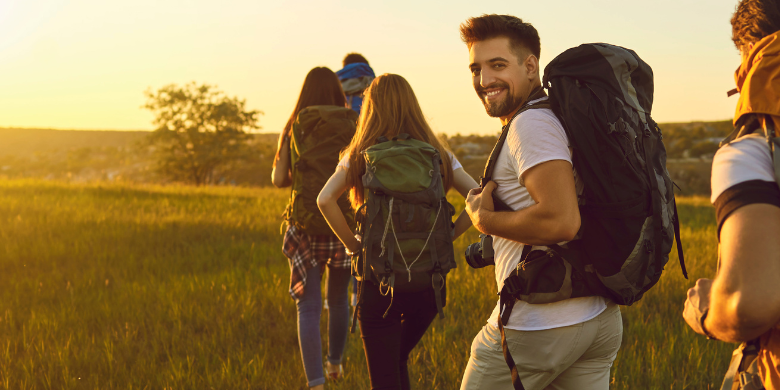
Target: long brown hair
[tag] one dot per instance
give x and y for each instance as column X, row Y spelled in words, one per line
column 320, row 88
column 389, row 108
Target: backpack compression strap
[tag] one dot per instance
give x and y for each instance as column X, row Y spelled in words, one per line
column 487, row 176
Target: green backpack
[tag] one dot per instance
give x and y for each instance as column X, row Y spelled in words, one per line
column 406, row 221
column 318, row 136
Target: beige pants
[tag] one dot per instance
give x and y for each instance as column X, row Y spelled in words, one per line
column 573, row 357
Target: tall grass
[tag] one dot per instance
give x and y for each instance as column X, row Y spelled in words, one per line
column 144, row 287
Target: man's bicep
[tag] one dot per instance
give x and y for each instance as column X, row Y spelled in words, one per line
column 538, row 140
column 551, row 184
column 750, row 256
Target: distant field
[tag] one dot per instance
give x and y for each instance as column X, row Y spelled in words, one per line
column 146, row 287
column 115, row 156
column 27, row 142
column 22, row 142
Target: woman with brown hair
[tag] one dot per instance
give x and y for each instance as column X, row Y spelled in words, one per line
column 390, row 108
column 319, row 127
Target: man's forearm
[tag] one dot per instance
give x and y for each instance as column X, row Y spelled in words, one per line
column 744, row 299
column 728, row 320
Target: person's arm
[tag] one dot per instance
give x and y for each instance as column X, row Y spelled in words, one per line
column 554, row 218
column 743, row 300
column 327, row 201
column 281, row 175
column 463, row 183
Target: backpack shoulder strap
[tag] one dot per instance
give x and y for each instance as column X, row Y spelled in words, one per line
column 774, row 143
column 491, row 162
column 746, row 125
column 749, row 124
column 490, row 166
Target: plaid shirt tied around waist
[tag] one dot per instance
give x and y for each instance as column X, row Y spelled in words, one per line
column 305, row 252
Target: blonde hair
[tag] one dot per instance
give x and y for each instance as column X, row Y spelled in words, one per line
column 389, row 108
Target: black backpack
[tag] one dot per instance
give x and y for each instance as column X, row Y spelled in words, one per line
column 603, row 94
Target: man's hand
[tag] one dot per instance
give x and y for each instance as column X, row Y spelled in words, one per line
column 478, row 202
column 697, row 303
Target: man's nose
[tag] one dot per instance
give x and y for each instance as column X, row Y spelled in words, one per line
column 485, row 79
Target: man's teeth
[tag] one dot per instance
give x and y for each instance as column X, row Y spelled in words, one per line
column 493, row 93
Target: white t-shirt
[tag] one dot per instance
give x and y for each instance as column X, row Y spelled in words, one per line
column 535, row 137
column 743, row 174
column 742, row 160
column 344, row 163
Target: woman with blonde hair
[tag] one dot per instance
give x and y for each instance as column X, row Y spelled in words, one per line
column 392, row 324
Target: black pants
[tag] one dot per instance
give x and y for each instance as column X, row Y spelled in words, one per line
column 388, row 341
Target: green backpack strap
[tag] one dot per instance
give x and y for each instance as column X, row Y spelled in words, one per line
column 437, row 276
column 371, row 213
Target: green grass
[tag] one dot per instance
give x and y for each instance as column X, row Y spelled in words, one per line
column 144, row 287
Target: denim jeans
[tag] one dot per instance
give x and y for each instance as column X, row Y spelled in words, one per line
column 309, row 311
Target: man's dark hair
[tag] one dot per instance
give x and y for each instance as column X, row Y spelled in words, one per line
column 354, row 58
column 753, row 20
column 521, row 35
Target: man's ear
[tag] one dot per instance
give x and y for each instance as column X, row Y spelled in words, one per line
column 531, row 64
column 745, row 50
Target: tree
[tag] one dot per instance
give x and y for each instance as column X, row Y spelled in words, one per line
column 201, row 133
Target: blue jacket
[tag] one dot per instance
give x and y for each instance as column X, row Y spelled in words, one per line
column 355, row 78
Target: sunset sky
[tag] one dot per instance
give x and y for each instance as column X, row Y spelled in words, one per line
column 84, row 64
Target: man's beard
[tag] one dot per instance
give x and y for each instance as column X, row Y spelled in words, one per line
column 500, row 108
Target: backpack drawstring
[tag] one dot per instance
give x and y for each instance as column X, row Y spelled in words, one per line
column 433, row 227
column 390, row 226
column 387, row 224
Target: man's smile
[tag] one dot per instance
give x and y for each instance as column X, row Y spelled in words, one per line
column 494, row 93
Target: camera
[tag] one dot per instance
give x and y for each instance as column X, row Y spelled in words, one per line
column 480, row 254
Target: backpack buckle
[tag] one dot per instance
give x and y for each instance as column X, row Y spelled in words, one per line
column 440, row 280
column 386, row 285
column 513, row 285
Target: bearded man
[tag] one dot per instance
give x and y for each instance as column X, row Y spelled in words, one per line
column 569, row 344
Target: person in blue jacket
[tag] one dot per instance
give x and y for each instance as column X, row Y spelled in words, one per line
column 355, row 77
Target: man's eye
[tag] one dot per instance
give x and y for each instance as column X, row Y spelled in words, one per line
column 475, row 72
column 498, row 66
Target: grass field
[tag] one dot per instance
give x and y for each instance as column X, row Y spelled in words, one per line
column 130, row 287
